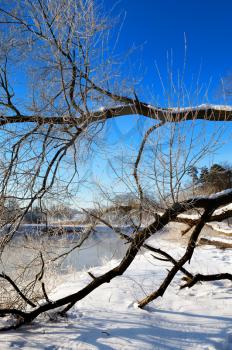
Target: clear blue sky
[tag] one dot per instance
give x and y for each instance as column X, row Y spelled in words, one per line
column 155, row 28
column 160, row 26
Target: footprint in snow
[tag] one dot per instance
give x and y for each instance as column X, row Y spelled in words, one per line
column 19, row 344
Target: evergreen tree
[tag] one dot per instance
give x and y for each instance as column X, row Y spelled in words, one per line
column 193, row 172
column 203, row 175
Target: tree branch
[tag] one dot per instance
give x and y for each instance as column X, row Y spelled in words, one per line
column 206, row 278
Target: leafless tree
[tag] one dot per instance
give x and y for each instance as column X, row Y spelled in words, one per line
column 72, row 88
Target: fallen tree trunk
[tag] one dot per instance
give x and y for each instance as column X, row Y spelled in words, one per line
column 208, row 204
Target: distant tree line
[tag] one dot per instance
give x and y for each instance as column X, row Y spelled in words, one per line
column 212, row 179
column 10, row 209
column 54, row 213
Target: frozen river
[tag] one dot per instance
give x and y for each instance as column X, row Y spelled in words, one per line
column 102, row 245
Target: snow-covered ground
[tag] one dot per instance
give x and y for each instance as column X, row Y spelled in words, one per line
column 196, row 318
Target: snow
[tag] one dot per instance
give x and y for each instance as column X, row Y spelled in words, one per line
column 204, row 107
column 189, row 216
column 223, row 209
column 225, row 108
column 221, row 239
column 218, row 194
column 196, row 318
column 223, row 227
column 211, row 196
column 214, row 195
column 194, row 108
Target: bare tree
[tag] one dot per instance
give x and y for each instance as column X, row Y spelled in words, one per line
column 72, row 89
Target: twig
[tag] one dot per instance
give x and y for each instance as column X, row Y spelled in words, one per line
column 23, row 296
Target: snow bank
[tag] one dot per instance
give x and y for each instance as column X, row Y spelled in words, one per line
column 199, row 318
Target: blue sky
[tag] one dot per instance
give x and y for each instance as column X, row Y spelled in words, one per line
column 194, row 33
column 159, row 26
